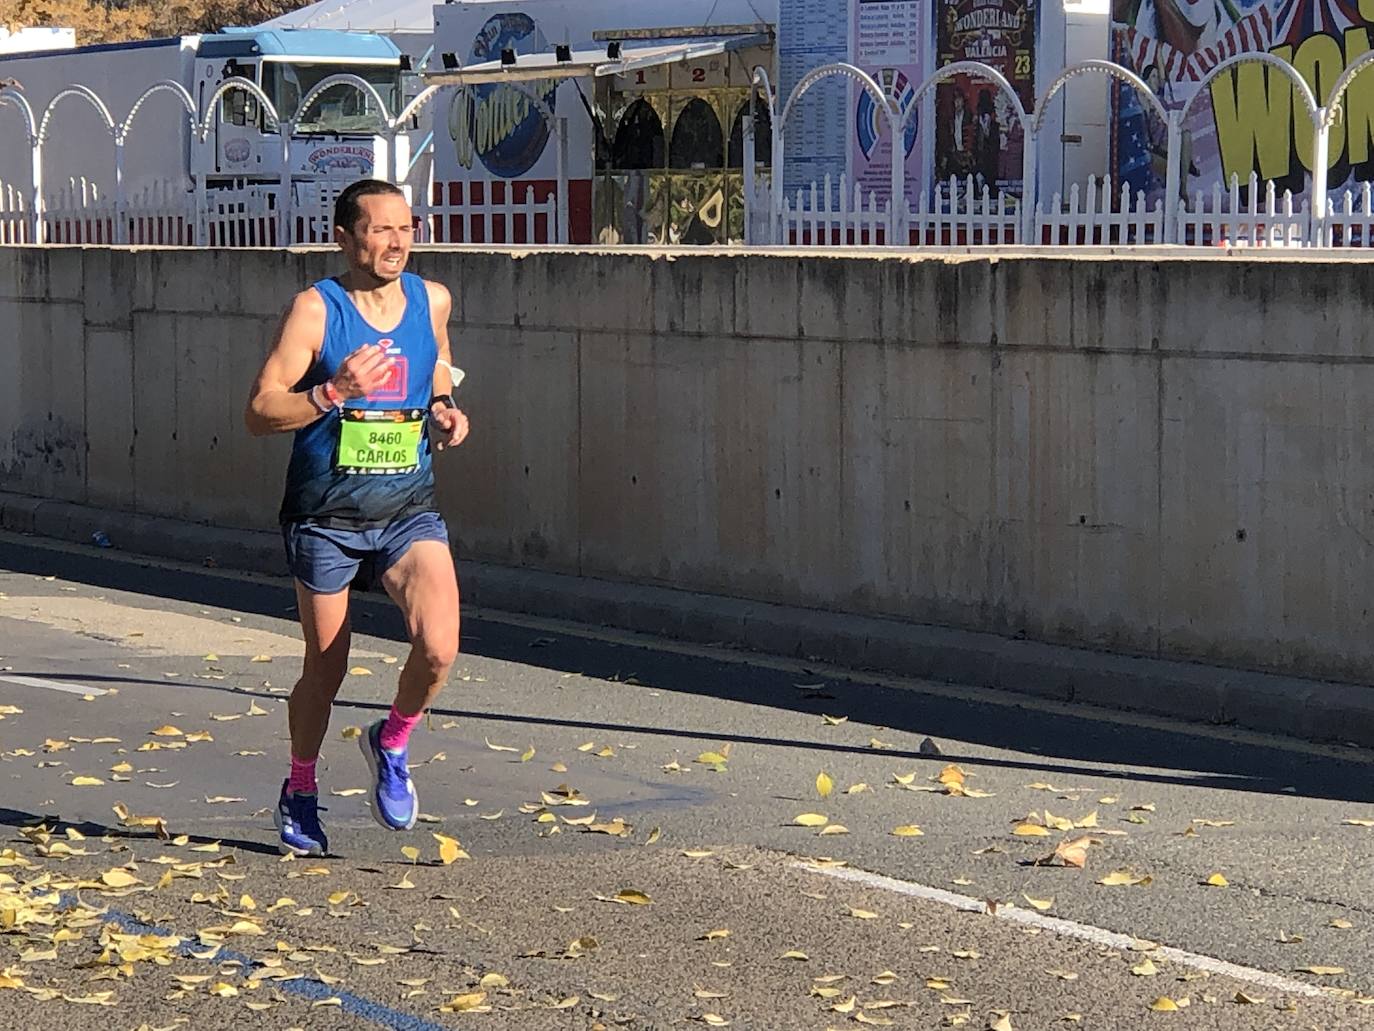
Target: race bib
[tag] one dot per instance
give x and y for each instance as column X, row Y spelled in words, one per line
column 379, row 442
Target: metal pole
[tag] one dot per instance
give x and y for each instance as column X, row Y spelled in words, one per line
column 776, row 191
column 1171, row 176
column 393, row 167
column 897, row 234
column 36, row 207
column 1030, row 187
column 749, row 176
column 201, row 237
column 121, row 233
column 560, row 129
column 284, row 223
column 1320, row 148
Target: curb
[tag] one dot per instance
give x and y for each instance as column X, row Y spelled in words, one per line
column 1293, row 706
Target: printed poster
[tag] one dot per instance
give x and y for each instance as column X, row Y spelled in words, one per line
column 889, row 43
column 812, row 33
column 1247, row 119
column 977, row 132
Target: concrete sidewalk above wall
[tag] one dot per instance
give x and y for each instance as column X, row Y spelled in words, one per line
column 1158, row 455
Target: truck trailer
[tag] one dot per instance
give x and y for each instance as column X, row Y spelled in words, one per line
column 339, row 138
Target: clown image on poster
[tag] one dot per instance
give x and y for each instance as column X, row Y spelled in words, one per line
column 888, row 43
column 1247, row 119
column 977, row 133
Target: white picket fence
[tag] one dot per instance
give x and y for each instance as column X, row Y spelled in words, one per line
column 1351, row 224
column 1098, row 217
column 955, row 214
column 15, row 227
column 1236, row 221
column 828, row 214
column 822, row 217
column 488, row 211
column 249, row 215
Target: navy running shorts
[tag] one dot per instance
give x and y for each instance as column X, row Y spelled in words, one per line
column 327, row 560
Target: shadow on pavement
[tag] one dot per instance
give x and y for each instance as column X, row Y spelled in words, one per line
column 1065, row 741
column 18, row 818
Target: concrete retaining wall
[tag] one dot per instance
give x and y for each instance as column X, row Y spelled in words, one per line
column 1154, row 455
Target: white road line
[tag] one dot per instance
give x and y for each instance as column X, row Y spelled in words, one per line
column 1067, row 928
column 53, row 685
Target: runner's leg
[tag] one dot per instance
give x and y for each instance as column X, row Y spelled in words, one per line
column 424, row 585
column 325, row 623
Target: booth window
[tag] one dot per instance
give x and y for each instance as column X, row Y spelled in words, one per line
column 698, row 141
column 639, row 140
column 763, row 137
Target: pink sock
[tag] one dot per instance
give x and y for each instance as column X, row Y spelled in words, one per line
column 302, row 780
column 396, row 730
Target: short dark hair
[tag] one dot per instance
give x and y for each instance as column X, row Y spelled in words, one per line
column 347, row 210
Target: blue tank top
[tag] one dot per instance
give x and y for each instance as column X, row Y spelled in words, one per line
column 334, row 479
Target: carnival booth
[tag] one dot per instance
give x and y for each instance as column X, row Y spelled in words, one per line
column 635, row 107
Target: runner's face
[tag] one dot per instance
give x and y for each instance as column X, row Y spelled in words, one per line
column 380, row 242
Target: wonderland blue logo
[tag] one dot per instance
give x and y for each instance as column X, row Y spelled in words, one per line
column 500, row 124
column 871, row 120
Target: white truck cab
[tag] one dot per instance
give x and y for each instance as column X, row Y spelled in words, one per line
column 337, row 137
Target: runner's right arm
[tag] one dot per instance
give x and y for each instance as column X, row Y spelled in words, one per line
column 274, row 406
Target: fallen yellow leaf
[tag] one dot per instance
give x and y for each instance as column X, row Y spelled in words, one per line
column 118, row 878
column 1164, row 1004
column 1040, row 904
column 951, row 774
column 907, row 830
column 811, row 820
column 1123, row 877
column 824, row 785
column 449, row 849
column 1216, row 881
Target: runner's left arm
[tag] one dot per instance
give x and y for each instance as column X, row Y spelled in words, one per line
column 450, row 424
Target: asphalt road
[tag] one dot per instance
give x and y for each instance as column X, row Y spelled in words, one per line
column 750, row 918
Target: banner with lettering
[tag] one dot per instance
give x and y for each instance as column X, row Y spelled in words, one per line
column 1248, row 119
column 977, row 132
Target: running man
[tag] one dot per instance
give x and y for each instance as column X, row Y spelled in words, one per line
column 359, row 371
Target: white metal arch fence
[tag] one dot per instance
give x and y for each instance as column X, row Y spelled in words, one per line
column 833, row 212
column 260, row 214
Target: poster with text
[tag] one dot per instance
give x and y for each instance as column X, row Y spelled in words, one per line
column 1248, row 118
column 977, row 132
column 888, row 42
column 813, row 33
